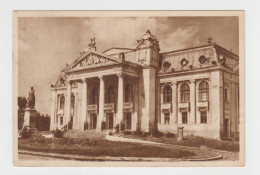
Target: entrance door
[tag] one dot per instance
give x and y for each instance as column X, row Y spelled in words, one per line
column 128, row 121
column 110, row 120
column 94, row 121
column 226, row 127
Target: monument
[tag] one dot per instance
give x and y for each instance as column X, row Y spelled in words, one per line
column 30, row 114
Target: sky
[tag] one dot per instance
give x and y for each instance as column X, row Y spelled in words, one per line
column 47, row 44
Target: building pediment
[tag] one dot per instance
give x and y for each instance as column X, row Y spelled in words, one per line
column 92, row 59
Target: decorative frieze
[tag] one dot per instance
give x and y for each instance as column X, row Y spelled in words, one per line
column 109, row 107
column 92, row 107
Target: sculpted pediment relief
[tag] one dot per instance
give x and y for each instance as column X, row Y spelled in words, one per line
column 92, row 60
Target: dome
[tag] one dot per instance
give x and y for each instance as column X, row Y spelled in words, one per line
column 147, row 36
column 147, row 40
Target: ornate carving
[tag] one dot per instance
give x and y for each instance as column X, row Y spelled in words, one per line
column 92, row 59
column 184, row 62
column 147, row 41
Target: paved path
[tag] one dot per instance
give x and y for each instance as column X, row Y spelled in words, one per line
column 200, row 151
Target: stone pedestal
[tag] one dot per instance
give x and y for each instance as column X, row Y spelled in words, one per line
column 29, row 121
column 180, row 133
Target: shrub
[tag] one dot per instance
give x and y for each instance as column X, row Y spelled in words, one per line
column 24, row 133
column 157, row 134
column 127, row 132
column 169, row 135
column 58, row 133
column 137, row 133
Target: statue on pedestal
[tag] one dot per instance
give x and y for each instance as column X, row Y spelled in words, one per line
column 31, row 99
column 30, row 114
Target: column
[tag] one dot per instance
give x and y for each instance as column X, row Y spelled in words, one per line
column 192, row 102
column 101, row 103
column 68, row 100
column 174, row 103
column 179, row 100
column 162, row 114
column 120, row 98
column 84, row 106
column 197, row 99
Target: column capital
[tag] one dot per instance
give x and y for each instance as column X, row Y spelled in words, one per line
column 192, row 81
column 174, row 83
column 101, row 77
column 84, row 80
column 120, row 75
column 69, row 82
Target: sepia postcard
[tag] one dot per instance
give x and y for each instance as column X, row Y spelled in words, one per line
column 128, row 88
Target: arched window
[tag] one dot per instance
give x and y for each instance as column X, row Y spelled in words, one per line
column 72, row 102
column 62, row 102
column 167, row 94
column 94, row 96
column 128, row 92
column 204, row 91
column 110, row 95
column 185, row 93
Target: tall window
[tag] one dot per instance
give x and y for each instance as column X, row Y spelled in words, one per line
column 185, row 93
column 167, row 118
column 128, row 92
column 204, row 91
column 62, row 102
column 94, row 96
column 184, row 117
column 203, row 117
column 110, row 95
column 72, row 103
column 167, row 94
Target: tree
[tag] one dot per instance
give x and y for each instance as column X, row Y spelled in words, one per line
column 22, row 105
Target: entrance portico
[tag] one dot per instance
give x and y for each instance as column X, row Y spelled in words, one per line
column 102, row 96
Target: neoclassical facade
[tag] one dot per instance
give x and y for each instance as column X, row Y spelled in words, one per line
column 146, row 90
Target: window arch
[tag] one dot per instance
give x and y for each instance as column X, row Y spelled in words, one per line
column 128, row 92
column 185, row 93
column 94, row 96
column 167, row 94
column 62, row 102
column 110, row 95
column 204, row 91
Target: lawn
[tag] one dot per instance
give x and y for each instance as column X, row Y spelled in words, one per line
column 90, row 147
column 192, row 141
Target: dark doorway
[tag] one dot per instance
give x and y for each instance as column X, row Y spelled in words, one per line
column 128, row 121
column 110, row 120
column 94, row 121
column 226, row 127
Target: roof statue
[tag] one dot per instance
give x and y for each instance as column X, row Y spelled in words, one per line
column 92, row 44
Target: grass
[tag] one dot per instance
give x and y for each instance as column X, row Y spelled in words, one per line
column 192, row 141
column 101, row 148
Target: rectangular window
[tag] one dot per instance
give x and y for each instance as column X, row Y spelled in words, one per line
column 184, row 118
column 226, row 95
column 61, row 120
column 166, row 118
column 203, row 117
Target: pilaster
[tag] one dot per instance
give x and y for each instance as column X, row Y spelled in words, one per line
column 174, row 103
column 192, row 102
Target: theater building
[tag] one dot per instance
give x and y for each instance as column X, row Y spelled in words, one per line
column 143, row 89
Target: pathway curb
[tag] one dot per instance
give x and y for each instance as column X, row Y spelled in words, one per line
column 108, row 158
